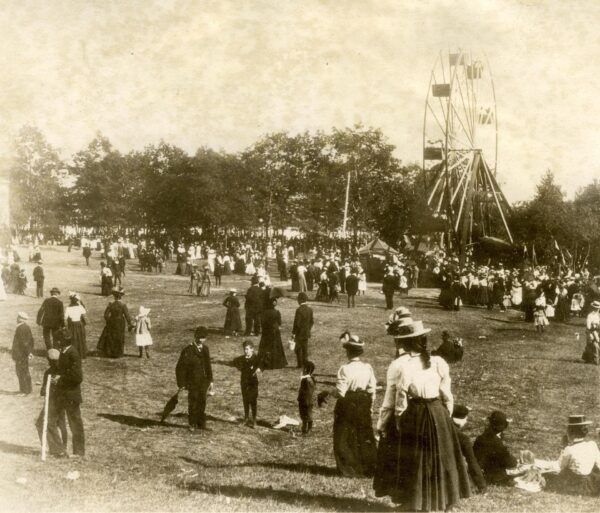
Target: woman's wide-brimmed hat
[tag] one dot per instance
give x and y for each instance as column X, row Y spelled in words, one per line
column 578, row 420
column 411, row 330
column 397, row 326
column 595, row 304
column 143, row 311
column 353, row 342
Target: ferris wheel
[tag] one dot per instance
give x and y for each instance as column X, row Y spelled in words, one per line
column 460, row 150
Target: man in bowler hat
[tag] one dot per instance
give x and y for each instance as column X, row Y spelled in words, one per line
column 303, row 323
column 493, row 456
column 194, row 372
column 51, row 316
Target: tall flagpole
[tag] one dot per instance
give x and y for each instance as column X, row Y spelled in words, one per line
column 346, row 205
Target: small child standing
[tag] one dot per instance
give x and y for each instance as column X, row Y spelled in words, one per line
column 305, row 396
column 539, row 315
column 143, row 339
column 249, row 366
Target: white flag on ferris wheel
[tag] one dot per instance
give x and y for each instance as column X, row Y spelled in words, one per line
column 486, row 116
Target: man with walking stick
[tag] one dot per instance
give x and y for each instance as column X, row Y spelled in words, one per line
column 53, row 441
column 68, row 392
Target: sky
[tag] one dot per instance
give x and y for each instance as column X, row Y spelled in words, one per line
column 223, row 73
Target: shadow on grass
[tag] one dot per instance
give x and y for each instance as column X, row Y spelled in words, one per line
column 18, row 449
column 303, row 468
column 130, row 420
column 9, row 392
column 315, row 501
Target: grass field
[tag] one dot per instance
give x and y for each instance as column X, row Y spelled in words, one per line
column 136, row 464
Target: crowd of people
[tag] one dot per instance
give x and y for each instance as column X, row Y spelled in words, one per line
column 417, row 455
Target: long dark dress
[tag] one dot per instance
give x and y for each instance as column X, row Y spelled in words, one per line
column 432, row 473
column 112, row 340
column 353, row 440
column 233, row 321
column 77, row 331
column 421, row 466
column 270, row 349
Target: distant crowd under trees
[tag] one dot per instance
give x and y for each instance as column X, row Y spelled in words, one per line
column 280, row 181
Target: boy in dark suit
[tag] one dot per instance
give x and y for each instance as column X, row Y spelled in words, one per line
column 194, row 372
column 303, row 323
column 51, row 316
column 22, row 349
column 38, row 277
column 68, row 389
column 493, row 456
column 249, row 366
column 306, row 394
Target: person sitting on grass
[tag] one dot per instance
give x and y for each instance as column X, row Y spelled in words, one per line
column 493, row 456
column 459, row 419
column 249, row 366
column 579, row 462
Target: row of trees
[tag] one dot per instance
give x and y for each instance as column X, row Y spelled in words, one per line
column 282, row 180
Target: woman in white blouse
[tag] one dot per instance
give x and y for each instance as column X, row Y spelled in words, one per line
column 75, row 321
column 353, row 439
column 420, row 464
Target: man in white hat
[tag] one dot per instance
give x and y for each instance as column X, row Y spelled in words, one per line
column 22, row 349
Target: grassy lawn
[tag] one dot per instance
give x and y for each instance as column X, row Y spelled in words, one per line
column 136, row 464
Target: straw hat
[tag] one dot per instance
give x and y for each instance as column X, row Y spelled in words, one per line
column 578, row 420
column 22, row 316
column 595, row 305
column 411, row 330
column 143, row 311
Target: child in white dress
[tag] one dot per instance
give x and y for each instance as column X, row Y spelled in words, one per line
column 143, row 339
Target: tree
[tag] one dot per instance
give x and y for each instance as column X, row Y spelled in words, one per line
column 35, row 175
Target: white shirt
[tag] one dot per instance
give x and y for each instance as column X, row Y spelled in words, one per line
column 580, row 457
column 389, row 398
column 74, row 313
column 416, row 381
column 356, row 375
column 592, row 320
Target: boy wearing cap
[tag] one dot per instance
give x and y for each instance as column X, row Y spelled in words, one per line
column 459, row 419
column 194, row 372
column 57, row 445
column 493, row 456
column 249, row 366
column 22, row 348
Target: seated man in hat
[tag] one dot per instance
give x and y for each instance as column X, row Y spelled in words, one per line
column 579, row 461
column 493, row 456
column 194, row 372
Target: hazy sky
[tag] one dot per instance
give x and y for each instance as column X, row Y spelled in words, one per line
column 223, row 73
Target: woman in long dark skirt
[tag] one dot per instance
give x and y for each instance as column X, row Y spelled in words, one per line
column 270, row 348
column 353, row 439
column 116, row 315
column 429, row 472
column 75, row 320
column 233, row 321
